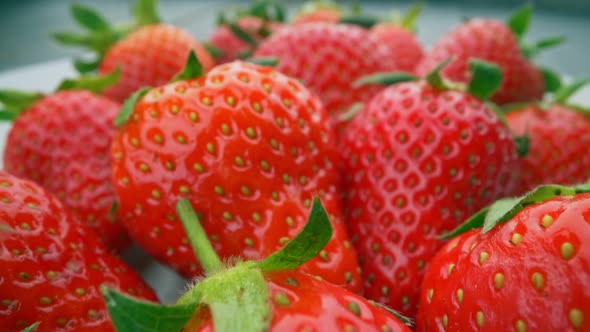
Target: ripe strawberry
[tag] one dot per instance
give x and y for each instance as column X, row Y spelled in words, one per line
column 259, row 296
column 531, row 273
column 239, row 142
column 147, row 52
column 492, row 41
column 558, row 136
column 418, row 159
column 150, row 56
column 51, row 266
column 327, row 58
column 231, row 46
column 62, row 142
column 402, row 44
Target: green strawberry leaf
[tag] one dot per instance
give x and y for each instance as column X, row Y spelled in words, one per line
column 198, row 238
column 504, row 209
column 435, row 79
column 351, row 112
column 128, row 106
column 520, row 20
column 145, row 12
column 192, row 69
column 363, row 21
column 530, row 50
column 309, row 242
column 89, row 18
column 552, row 80
column 241, row 34
column 212, row 50
column 486, row 78
column 84, row 67
column 565, row 92
column 408, row 21
column 268, row 10
column 132, row 315
column 8, row 115
column 94, row 83
column 15, row 102
column 522, row 145
column 384, row 79
column 31, row 328
column 267, row 61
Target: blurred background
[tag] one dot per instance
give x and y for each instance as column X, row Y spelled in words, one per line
column 26, row 25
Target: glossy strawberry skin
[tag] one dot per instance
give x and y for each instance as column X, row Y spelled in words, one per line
column 250, row 148
column 317, row 306
column 418, row 161
column 538, row 283
column 63, row 142
column 150, row 56
column 402, row 44
column 328, row 58
column 491, row 41
column 232, row 47
column 51, row 266
column 558, row 145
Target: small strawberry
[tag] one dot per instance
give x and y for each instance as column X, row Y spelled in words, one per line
column 52, row 267
column 147, row 53
column 558, row 135
column 251, row 296
column 239, row 142
column 62, row 142
column 419, row 158
column 327, row 58
column 318, row 11
column 495, row 42
column 531, row 273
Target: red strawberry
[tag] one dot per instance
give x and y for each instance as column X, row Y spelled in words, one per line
column 492, row 41
column 559, row 136
column 62, row 142
column 327, row 58
column 531, row 273
column 402, row 43
column 52, row 267
column 259, row 296
column 418, row 159
column 231, row 46
column 239, row 142
column 150, row 56
column 147, row 52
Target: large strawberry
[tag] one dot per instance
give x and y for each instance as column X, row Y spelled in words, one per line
column 418, row 159
column 147, row 53
column 495, row 42
column 62, row 142
column 327, row 58
column 531, row 273
column 239, row 142
column 558, row 135
column 257, row 296
column 52, row 267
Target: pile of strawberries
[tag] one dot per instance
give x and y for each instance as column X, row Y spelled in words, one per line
column 321, row 173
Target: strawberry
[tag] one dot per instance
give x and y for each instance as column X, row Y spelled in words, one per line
column 531, row 273
column 62, row 142
column 239, row 142
column 52, row 267
column 418, row 159
column 324, row 11
column 147, row 53
column 258, row 296
column 398, row 36
column 233, row 47
column 327, row 58
column 559, row 136
column 495, row 42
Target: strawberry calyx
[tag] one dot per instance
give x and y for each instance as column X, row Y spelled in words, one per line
column 504, row 209
column 15, row 102
column 100, row 34
column 31, row 328
column 234, row 293
column 93, row 83
column 519, row 23
column 406, row 20
column 191, row 70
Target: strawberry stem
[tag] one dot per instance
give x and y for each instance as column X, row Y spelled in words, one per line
column 198, row 238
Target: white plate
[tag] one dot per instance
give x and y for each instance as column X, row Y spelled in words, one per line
column 45, row 77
